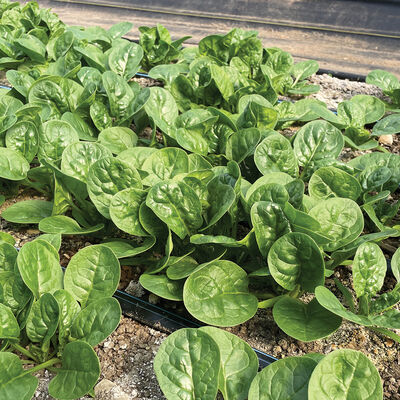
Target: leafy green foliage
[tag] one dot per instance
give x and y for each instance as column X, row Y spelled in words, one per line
column 41, row 317
column 194, row 363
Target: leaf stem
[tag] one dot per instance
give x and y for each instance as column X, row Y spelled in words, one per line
column 386, row 332
column 269, row 303
column 44, row 365
column 24, row 351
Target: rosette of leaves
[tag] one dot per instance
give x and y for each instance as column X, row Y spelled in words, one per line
column 158, row 47
column 54, row 319
column 355, row 114
column 390, row 86
column 287, row 77
column 199, row 363
column 374, row 311
column 25, row 32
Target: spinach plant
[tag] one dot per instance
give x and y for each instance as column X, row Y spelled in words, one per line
column 52, row 320
column 352, row 116
column 390, row 86
column 372, row 310
column 158, row 46
column 197, row 363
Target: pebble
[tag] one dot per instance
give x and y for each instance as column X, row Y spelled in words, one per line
column 107, row 390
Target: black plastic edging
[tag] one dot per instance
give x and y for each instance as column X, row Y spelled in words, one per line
column 161, row 319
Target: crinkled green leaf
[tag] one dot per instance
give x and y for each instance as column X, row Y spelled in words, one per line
column 218, row 294
column 187, row 365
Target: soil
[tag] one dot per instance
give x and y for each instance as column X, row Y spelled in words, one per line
column 126, row 356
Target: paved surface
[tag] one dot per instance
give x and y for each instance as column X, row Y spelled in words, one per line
column 355, row 50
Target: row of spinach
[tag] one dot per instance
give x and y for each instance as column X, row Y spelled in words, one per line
column 196, row 363
column 54, row 319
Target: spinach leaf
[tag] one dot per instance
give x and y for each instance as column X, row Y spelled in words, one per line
column 79, row 372
column 14, row 381
column 305, row 322
column 345, row 374
column 295, row 259
column 340, row 219
column 106, row 178
column 217, row 293
column 239, row 363
column 187, row 364
column 28, row 211
column 283, row 379
column 96, row 321
column 39, row 265
column 66, row 226
column 177, row 205
column 92, row 273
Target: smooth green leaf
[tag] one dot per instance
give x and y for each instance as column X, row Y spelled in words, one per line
column 239, row 363
column 15, row 383
column 65, row 226
column 283, row 380
column 305, row 322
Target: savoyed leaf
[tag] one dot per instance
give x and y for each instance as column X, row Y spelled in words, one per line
column 92, row 273
column 9, row 328
column 107, row 177
column 117, row 139
column 218, row 294
column 97, row 321
column 282, row 380
column 295, row 259
column 162, row 286
column 329, row 182
column 78, row 374
column 275, row 154
column 239, row 363
column 28, row 211
column 43, row 320
column 340, row 219
column 343, row 375
column 65, row 226
column 13, row 164
column 78, row 157
column 15, row 383
column 369, row 269
column 177, row 205
column 39, row 265
column 124, row 210
column 187, row 365
column 270, row 223
column 305, row 322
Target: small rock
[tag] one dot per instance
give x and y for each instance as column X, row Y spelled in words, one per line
column 389, row 342
column 107, row 390
column 135, row 289
column 386, row 139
